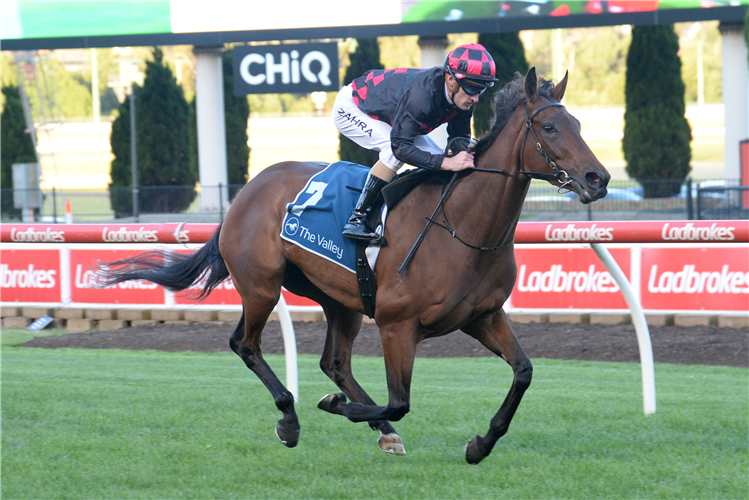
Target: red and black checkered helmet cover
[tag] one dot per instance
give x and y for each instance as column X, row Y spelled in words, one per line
column 472, row 62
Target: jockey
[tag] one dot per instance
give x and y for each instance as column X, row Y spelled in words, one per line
column 392, row 110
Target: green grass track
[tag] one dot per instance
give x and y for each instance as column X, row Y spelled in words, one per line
column 105, row 424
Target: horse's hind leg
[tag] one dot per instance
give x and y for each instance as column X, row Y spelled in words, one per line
column 343, row 327
column 399, row 350
column 245, row 341
column 496, row 335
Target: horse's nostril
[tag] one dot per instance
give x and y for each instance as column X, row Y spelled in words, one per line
column 593, row 179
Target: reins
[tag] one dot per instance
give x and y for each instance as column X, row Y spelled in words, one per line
column 560, row 176
column 449, row 229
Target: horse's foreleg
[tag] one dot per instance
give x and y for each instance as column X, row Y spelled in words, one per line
column 496, row 335
column 245, row 341
column 399, row 350
column 343, row 327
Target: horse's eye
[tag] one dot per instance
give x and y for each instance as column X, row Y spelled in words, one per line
column 549, row 129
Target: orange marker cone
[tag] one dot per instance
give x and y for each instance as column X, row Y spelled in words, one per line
column 68, row 212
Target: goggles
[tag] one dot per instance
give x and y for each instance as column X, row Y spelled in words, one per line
column 472, row 90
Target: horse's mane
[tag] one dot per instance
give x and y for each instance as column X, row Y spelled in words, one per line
column 506, row 101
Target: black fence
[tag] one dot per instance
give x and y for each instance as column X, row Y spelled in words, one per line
column 641, row 200
column 147, row 204
column 722, row 202
column 677, row 200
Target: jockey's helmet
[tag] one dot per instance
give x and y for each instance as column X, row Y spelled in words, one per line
column 471, row 63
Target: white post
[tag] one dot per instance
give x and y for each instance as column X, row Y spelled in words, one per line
column 641, row 327
column 735, row 95
column 65, row 288
column 209, row 91
column 289, row 347
column 433, row 53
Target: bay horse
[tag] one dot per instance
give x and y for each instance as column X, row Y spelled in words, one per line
column 452, row 283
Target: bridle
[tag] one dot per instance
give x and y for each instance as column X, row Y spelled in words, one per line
column 560, row 176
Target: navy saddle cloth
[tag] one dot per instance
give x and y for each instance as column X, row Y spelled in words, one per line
column 315, row 219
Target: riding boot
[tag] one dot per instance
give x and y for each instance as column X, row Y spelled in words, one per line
column 356, row 228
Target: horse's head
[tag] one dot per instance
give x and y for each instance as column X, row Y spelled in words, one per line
column 555, row 145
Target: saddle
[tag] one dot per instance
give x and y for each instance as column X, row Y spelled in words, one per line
column 391, row 195
column 315, row 217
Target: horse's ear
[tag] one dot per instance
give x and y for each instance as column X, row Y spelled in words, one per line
column 558, row 92
column 531, row 84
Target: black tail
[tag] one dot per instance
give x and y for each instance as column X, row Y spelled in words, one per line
column 173, row 271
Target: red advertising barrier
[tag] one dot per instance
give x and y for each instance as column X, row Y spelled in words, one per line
column 723, row 231
column 668, row 275
column 106, row 233
column 84, row 291
column 567, row 278
column 695, row 279
column 30, row 275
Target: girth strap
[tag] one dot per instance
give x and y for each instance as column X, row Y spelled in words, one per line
column 366, row 280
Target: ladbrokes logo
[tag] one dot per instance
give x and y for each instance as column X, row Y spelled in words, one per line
column 558, row 280
column 572, row 233
column 690, row 233
column 689, row 280
column 27, row 278
column 122, row 235
column 88, row 279
column 33, row 236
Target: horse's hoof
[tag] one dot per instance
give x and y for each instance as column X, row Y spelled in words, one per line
column 474, row 454
column 331, row 401
column 288, row 437
column 391, row 443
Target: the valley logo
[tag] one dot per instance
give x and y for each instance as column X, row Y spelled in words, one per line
column 292, row 226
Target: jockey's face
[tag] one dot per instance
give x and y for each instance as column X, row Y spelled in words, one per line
column 460, row 98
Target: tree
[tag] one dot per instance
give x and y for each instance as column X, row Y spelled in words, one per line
column 656, row 132
column 162, row 139
column 16, row 146
column 119, row 190
column 597, row 61
column 365, row 57
column 509, row 56
column 67, row 90
column 236, row 115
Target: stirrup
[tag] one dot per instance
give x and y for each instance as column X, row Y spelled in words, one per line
column 360, row 232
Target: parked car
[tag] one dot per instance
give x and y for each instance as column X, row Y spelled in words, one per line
column 721, row 183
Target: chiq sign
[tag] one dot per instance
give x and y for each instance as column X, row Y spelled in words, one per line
column 279, row 69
